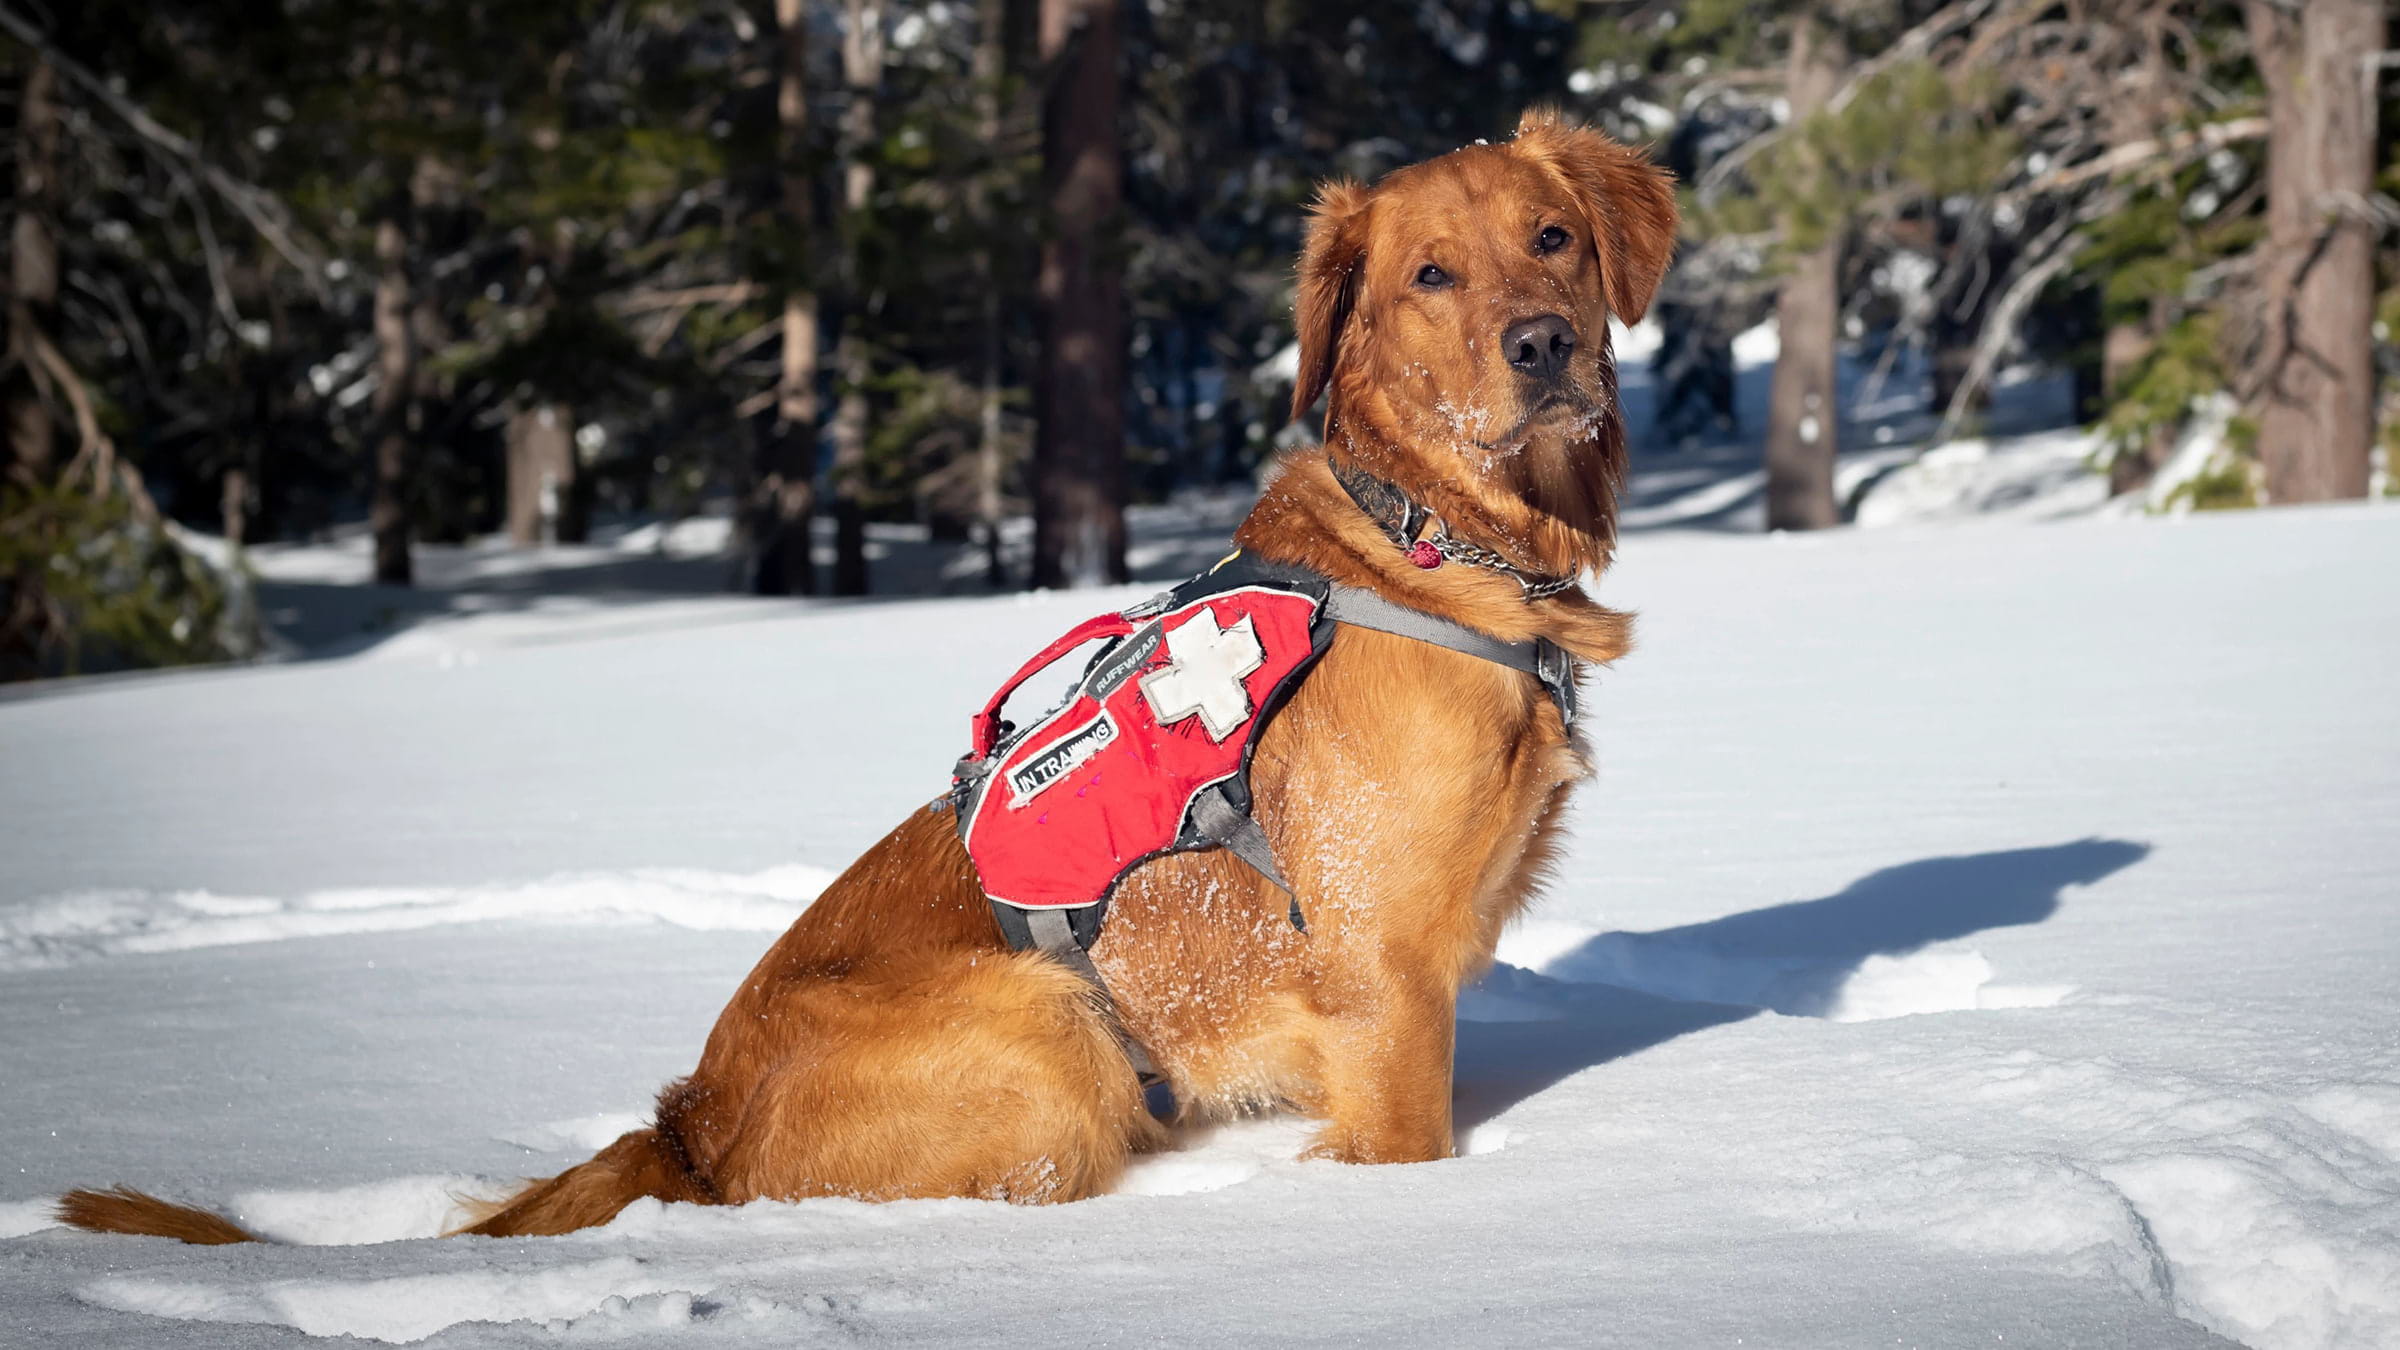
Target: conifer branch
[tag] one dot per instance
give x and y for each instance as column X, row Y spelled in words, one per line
column 1913, row 43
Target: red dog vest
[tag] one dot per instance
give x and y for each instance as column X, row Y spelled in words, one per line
column 1147, row 754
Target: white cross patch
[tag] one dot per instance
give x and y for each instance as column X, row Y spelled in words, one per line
column 1204, row 674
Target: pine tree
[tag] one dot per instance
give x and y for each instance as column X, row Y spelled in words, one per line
column 1804, row 407
column 862, row 92
column 783, row 496
column 32, row 275
column 1079, row 449
column 992, row 93
column 2315, row 374
column 396, row 380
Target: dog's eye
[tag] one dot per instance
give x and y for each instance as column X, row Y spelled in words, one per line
column 1432, row 278
column 1550, row 240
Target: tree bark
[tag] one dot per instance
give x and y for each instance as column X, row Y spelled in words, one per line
column 548, row 503
column 541, row 474
column 233, row 505
column 396, row 385
column 33, row 273
column 2315, row 401
column 2122, row 351
column 991, row 67
column 862, row 78
column 1803, row 411
column 784, row 496
column 1079, row 393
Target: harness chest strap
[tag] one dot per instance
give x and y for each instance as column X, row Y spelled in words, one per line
column 1054, row 933
column 1539, row 657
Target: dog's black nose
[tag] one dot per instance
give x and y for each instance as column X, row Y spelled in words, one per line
column 1539, row 347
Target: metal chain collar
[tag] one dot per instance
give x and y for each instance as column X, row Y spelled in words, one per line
column 1535, row 586
column 1401, row 519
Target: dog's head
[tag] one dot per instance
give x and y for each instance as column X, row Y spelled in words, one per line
column 1463, row 303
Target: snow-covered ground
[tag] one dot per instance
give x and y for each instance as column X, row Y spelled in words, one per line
column 1975, row 936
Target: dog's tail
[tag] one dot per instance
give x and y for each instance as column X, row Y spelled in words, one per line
column 643, row 1163
column 122, row 1209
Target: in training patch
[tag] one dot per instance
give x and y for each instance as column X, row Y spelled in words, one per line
column 1046, row 768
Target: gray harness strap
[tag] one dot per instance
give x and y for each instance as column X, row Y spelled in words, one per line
column 1540, row 657
column 1238, row 830
column 1053, row 934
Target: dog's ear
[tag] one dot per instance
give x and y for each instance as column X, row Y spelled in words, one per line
column 1329, row 267
column 1628, row 203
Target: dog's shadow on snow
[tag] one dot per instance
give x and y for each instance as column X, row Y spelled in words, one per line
column 1620, row 993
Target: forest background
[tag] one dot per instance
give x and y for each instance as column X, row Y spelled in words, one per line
column 441, row 271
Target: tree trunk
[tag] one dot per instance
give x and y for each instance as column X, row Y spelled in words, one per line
column 2088, row 383
column 991, row 63
column 541, row 475
column 2315, row 401
column 574, row 519
column 784, row 495
column 1803, row 412
column 1079, row 393
column 261, row 370
column 396, row 385
column 233, row 505
column 548, row 503
column 33, row 273
column 2122, row 351
column 862, row 78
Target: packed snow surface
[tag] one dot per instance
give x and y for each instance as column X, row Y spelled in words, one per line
column 1975, row 936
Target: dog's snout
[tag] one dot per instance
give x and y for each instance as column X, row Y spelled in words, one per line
column 1539, row 347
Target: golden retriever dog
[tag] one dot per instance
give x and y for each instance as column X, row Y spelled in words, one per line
column 891, row 1044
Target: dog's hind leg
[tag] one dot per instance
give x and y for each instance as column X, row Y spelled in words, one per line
column 984, row 1075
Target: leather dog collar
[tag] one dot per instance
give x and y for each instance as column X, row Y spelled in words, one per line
column 1403, row 521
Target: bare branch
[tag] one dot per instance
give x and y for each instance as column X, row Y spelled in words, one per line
column 95, row 455
column 724, row 293
column 1912, row 44
column 745, row 344
column 2048, row 255
column 214, row 258
column 2176, row 148
column 263, row 209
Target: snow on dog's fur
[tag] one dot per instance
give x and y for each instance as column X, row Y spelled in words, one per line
column 890, row 1045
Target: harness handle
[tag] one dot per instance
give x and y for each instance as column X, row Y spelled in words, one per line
column 986, row 725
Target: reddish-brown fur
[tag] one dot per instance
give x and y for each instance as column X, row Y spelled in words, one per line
column 889, row 1045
